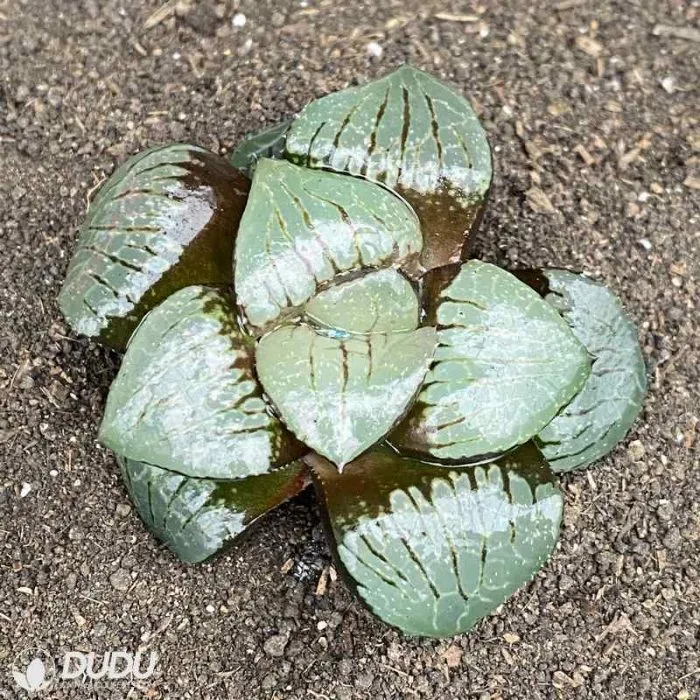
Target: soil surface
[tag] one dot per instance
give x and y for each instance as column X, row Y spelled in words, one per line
column 592, row 111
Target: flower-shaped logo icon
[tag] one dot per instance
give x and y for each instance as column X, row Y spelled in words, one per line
column 33, row 670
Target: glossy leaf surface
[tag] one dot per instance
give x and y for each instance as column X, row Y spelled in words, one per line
column 166, row 219
column 505, row 364
column 413, row 133
column 431, row 550
column 380, row 301
column 268, row 143
column 339, row 393
column 186, row 397
column 600, row 415
column 196, row 518
column 302, row 227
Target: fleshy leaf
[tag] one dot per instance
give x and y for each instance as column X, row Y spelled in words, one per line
column 166, row 219
column 268, row 143
column 600, row 415
column 186, row 397
column 505, row 364
column 431, row 549
column 196, row 518
column 380, row 301
column 302, row 227
column 416, row 135
column 339, row 393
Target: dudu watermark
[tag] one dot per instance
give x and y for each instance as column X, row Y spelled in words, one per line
column 35, row 670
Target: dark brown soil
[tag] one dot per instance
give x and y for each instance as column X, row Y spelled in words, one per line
column 593, row 115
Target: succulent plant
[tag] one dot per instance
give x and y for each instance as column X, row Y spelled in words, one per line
column 308, row 313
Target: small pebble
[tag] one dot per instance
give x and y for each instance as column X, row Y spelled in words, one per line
column 275, row 645
column 123, row 509
column 452, row 656
column 128, row 561
column 668, row 84
column 566, row 583
column 374, row 49
column 673, row 540
column 26, row 382
column 364, row 681
column 269, row 681
column 239, row 20
column 665, row 511
column 120, row 580
column 635, row 450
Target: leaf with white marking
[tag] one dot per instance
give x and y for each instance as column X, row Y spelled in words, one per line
column 416, row 135
column 303, row 227
column 186, row 397
column 377, row 302
column 164, row 220
column 505, row 364
column 197, row 518
column 433, row 549
column 600, row 415
column 339, row 393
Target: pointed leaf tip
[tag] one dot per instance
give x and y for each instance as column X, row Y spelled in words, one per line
column 340, row 395
column 267, row 143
